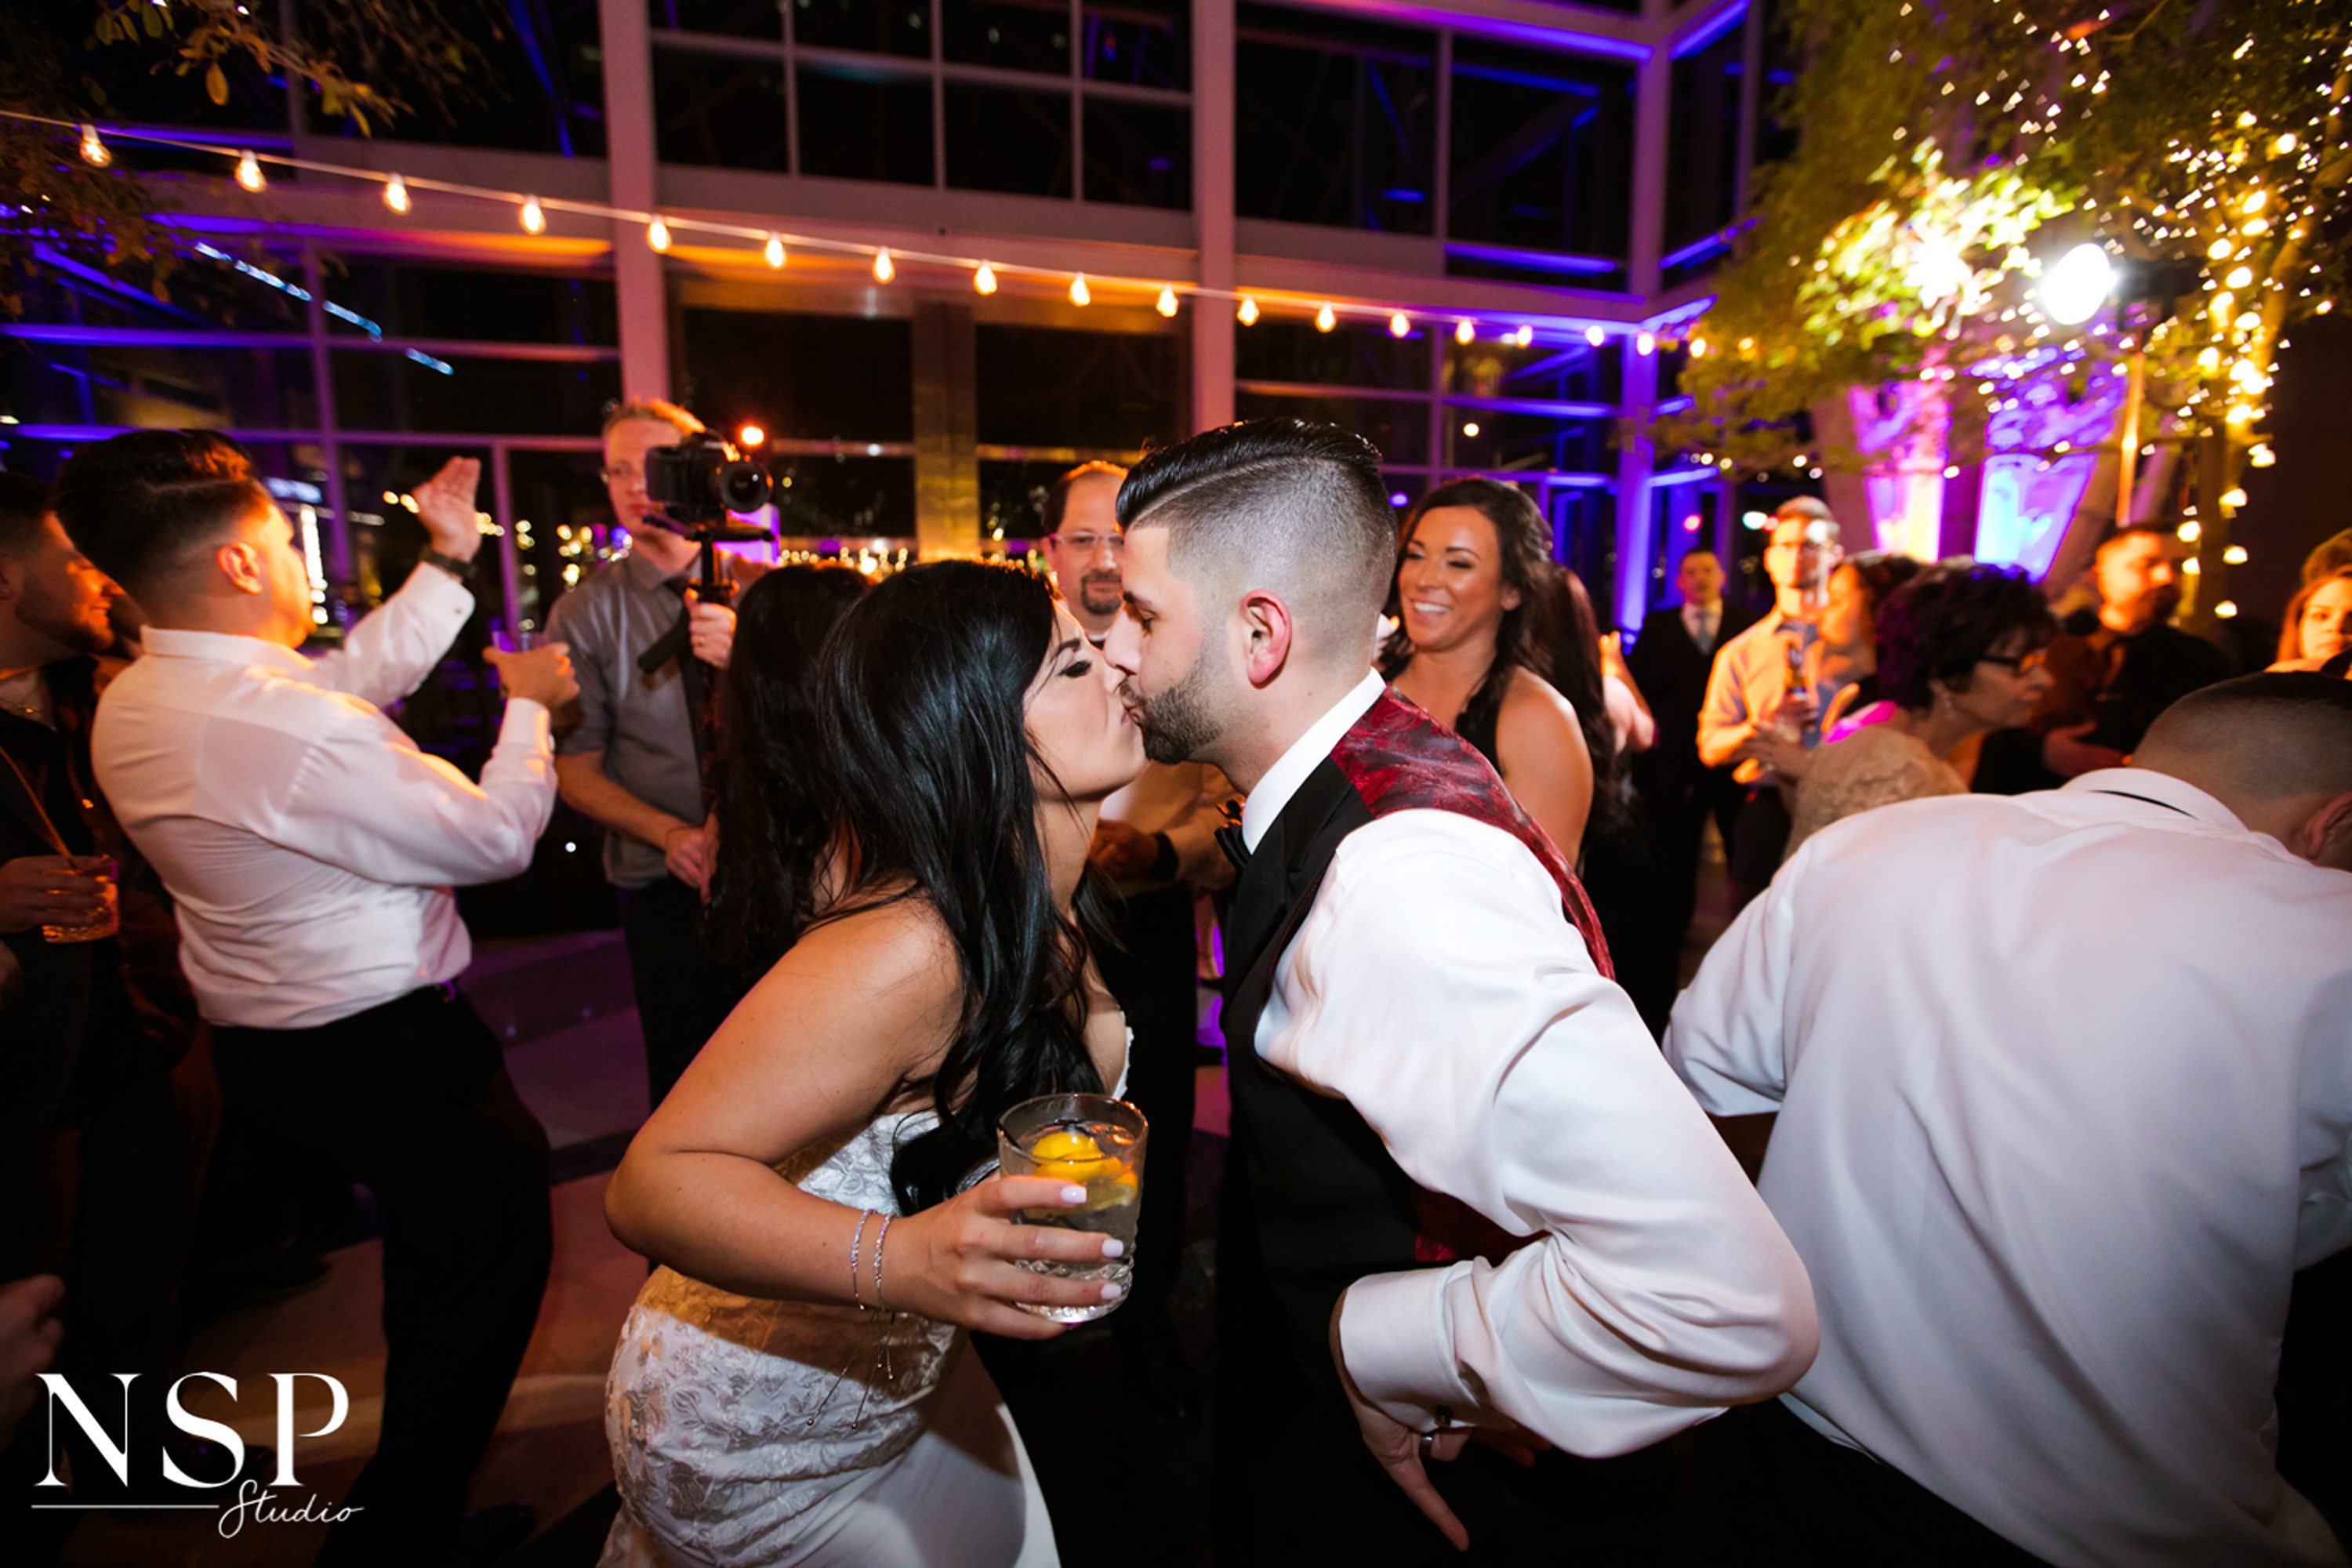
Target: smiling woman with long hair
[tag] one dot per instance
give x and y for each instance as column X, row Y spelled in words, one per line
column 1476, row 590
column 790, row 1387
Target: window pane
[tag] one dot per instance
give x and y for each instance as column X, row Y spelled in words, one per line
column 1146, row 43
column 1542, row 151
column 1000, row 140
column 1139, row 155
column 1042, row 386
column 1017, row 34
column 861, row 124
column 542, row 89
column 1547, row 373
column 735, row 18
column 1350, row 354
column 845, row 497
column 386, row 390
column 563, row 518
column 1398, row 426
column 1487, row 439
column 1336, row 122
column 877, row 27
column 1703, row 149
column 721, row 111
column 387, row 538
column 116, row 383
column 807, row 378
column 207, row 290
column 1013, row 499
column 414, row 301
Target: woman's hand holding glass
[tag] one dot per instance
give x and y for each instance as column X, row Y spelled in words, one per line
column 961, row 1261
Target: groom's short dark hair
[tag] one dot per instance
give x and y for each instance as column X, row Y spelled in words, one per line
column 1298, row 507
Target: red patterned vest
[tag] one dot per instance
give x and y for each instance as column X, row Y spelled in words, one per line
column 1323, row 1202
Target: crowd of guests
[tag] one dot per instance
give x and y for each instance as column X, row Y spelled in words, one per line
column 2033, row 1027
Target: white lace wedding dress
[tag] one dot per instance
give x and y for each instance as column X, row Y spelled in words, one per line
column 752, row 1432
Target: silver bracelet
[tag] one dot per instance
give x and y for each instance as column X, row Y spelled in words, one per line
column 880, row 1237
column 856, row 1241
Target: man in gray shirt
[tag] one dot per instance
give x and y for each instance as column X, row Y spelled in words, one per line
column 626, row 757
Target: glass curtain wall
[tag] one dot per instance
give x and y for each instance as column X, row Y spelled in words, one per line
column 1074, row 100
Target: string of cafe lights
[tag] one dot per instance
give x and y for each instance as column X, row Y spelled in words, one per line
column 400, row 194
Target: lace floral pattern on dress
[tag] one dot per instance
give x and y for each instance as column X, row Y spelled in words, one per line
column 730, row 1417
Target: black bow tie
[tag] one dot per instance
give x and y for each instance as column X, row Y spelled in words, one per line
column 1229, row 838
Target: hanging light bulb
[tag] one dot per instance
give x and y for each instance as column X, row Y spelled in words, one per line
column 1079, row 293
column 1247, row 314
column 534, row 220
column 1400, row 324
column 984, row 279
column 94, row 152
column 883, row 268
column 658, row 234
column 1465, row 331
column 1595, row 336
column 1645, row 343
column 1523, row 336
column 2240, row 277
column 1699, row 347
column 248, row 171
column 774, row 251
column 1326, row 318
column 1166, row 303
column 396, row 194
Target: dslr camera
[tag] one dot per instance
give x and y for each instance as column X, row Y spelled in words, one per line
column 702, row 478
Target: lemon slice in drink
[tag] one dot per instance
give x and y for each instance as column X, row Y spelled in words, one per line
column 1066, row 1156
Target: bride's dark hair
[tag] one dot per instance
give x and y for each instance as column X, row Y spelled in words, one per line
column 921, row 719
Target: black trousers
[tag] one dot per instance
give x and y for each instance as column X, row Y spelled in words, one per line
column 412, row 1099
column 682, row 995
column 1757, row 841
column 1154, row 981
column 1676, row 818
column 1760, row 1488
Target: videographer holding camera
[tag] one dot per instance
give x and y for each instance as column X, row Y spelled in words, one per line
column 631, row 759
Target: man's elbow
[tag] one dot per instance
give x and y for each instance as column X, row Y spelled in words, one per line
column 1787, row 1330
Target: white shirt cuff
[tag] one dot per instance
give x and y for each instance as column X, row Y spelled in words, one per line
column 1399, row 1348
column 526, row 721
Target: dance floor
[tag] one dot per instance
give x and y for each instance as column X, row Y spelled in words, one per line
column 562, row 1004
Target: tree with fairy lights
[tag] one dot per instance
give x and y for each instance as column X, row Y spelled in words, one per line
column 1949, row 154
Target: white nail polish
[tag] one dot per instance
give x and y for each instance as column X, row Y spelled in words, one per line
column 1114, row 1290
column 1074, row 1194
column 1113, row 1246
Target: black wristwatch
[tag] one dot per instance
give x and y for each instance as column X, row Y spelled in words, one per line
column 461, row 570
column 1163, row 864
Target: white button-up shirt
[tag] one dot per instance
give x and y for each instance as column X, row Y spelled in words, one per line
column 2065, row 1083
column 1437, row 986
column 309, row 845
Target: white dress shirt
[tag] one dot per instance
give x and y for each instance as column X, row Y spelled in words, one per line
column 2064, row 1082
column 1438, row 988
column 309, row 845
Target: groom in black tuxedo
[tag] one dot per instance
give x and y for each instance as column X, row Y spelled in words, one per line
column 1670, row 661
column 1465, row 1195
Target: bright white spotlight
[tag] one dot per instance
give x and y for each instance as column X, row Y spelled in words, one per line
column 2073, row 291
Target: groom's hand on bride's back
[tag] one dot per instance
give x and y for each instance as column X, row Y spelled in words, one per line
column 962, row 1261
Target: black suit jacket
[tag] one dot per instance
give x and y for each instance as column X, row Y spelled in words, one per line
column 80, row 1015
column 1672, row 673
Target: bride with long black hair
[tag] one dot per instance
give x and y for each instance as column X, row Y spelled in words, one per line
column 792, row 1387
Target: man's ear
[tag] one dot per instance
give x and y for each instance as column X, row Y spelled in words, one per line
column 12, row 578
column 240, row 562
column 2326, row 837
column 1266, row 625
